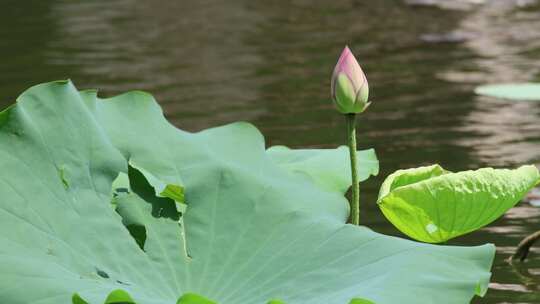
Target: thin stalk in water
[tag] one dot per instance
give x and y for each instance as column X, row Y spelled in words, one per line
column 351, row 139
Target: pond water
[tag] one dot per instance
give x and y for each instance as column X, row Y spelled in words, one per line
column 211, row 62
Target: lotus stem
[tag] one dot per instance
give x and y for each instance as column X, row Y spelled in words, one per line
column 351, row 139
column 524, row 246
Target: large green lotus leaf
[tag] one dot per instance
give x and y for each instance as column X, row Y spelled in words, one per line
column 251, row 233
column 512, row 91
column 433, row 205
column 329, row 169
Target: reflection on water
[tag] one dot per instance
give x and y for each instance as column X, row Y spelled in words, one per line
column 211, row 62
column 191, row 55
column 505, row 36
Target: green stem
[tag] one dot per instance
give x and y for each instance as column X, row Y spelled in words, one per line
column 351, row 139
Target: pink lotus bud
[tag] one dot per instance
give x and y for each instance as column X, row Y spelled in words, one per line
column 350, row 88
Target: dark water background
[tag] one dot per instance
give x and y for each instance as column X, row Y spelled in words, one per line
column 210, row 62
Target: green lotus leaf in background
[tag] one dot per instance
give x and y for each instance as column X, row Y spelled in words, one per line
column 512, row 91
column 329, row 169
column 249, row 231
column 433, row 205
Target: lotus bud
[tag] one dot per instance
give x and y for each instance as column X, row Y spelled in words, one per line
column 350, row 88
